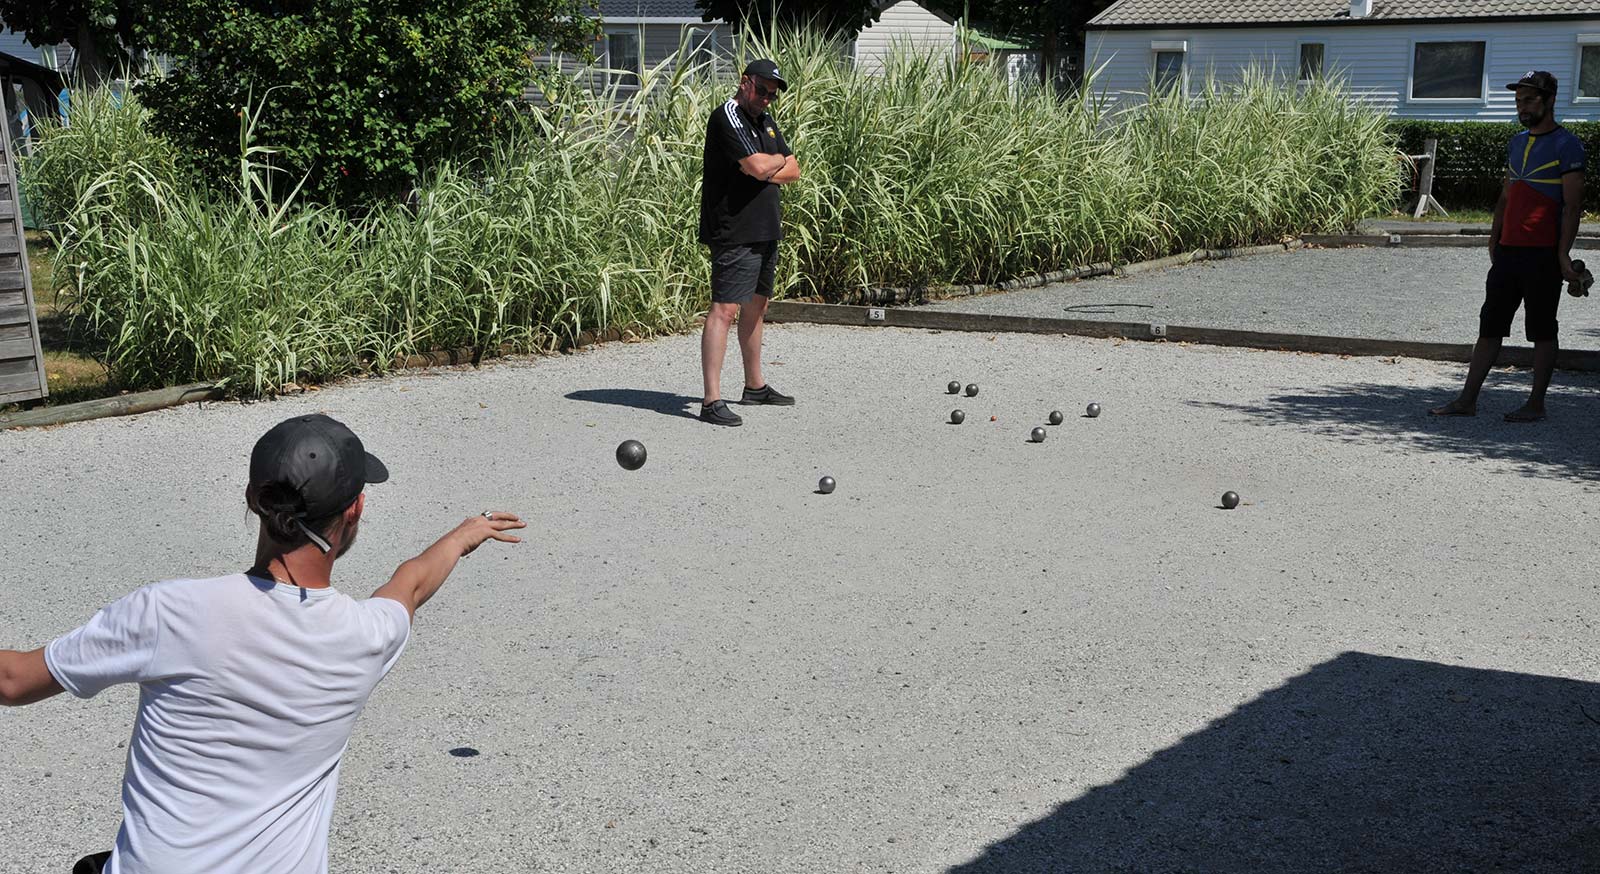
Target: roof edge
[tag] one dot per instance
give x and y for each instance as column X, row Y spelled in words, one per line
column 1345, row 22
column 1103, row 13
column 940, row 14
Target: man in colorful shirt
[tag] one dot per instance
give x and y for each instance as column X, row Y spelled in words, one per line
column 1535, row 224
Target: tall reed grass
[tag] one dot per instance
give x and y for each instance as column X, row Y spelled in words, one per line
column 586, row 217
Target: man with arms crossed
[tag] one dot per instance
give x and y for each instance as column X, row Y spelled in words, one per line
column 1535, row 224
column 746, row 159
column 250, row 684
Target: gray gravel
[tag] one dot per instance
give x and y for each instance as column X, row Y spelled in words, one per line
column 1428, row 294
column 979, row 654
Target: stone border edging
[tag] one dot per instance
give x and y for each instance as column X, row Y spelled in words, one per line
column 941, row 320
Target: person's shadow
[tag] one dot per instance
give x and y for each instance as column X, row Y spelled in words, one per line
column 663, row 402
column 1364, row 764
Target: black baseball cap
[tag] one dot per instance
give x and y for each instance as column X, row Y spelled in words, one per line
column 319, row 459
column 1538, row 80
column 767, row 70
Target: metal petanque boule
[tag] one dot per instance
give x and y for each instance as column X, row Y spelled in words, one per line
column 631, row 454
column 1093, row 411
column 954, row 387
column 972, row 389
column 957, row 417
column 1056, row 418
column 1230, row 500
column 825, row 485
column 1037, row 436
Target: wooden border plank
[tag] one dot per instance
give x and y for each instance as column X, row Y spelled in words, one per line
column 124, row 405
column 834, row 314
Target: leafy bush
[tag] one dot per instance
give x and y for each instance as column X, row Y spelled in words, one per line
column 361, row 95
column 1472, row 158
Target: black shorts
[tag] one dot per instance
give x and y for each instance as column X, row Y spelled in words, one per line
column 741, row 270
column 1525, row 275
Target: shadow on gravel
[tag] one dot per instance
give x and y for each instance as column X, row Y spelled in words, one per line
column 1562, row 446
column 662, row 402
column 1362, row 764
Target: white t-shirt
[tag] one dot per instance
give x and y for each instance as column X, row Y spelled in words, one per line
column 248, row 692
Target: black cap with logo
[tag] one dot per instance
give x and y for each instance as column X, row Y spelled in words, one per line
column 317, row 458
column 1538, row 80
column 767, row 70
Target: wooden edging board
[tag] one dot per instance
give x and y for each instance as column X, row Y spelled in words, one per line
column 941, row 320
column 163, row 398
column 121, row 405
column 1413, row 239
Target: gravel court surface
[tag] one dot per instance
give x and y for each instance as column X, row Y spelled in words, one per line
column 1418, row 294
column 979, row 654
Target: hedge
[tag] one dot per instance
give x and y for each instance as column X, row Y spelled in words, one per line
column 1472, row 158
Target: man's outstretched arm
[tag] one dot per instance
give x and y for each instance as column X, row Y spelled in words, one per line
column 418, row 578
column 24, row 678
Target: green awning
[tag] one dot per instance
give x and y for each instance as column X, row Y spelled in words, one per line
column 992, row 43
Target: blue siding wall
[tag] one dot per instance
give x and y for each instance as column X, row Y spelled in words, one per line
column 1374, row 59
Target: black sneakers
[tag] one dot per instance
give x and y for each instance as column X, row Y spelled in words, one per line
column 766, row 395
column 717, row 413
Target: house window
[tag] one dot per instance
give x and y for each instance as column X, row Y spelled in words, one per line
column 1311, row 54
column 1588, row 65
column 1447, row 71
column 47, row 57
column 622, row 57
column 1166, row 70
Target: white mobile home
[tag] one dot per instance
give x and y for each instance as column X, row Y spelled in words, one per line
column 906, row 26
column 1447, row 60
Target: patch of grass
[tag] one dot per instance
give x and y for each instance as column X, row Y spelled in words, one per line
column 74, row 374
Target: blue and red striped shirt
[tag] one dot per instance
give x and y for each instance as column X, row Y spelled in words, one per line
column 1533, row 200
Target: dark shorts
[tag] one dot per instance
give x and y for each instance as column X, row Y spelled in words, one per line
column 1524, row 275
column 742, row 270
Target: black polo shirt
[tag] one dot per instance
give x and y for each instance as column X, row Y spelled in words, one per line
column 737, row 208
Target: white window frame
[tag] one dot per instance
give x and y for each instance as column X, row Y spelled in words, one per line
column 1584, row 39
column 1299, row 50
column 1159, row 47
column 613, row 79
column 1483, row 79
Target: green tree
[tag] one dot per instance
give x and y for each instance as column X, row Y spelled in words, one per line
column 842, row 17
column 358, row 97
column 1056, row 26
column 103, row 33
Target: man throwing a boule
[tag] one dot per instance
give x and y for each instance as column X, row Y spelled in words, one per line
column 250, row 684
column 746, row 160
column 1530, row 245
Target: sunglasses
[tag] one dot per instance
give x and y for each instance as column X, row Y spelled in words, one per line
column 771, row 94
